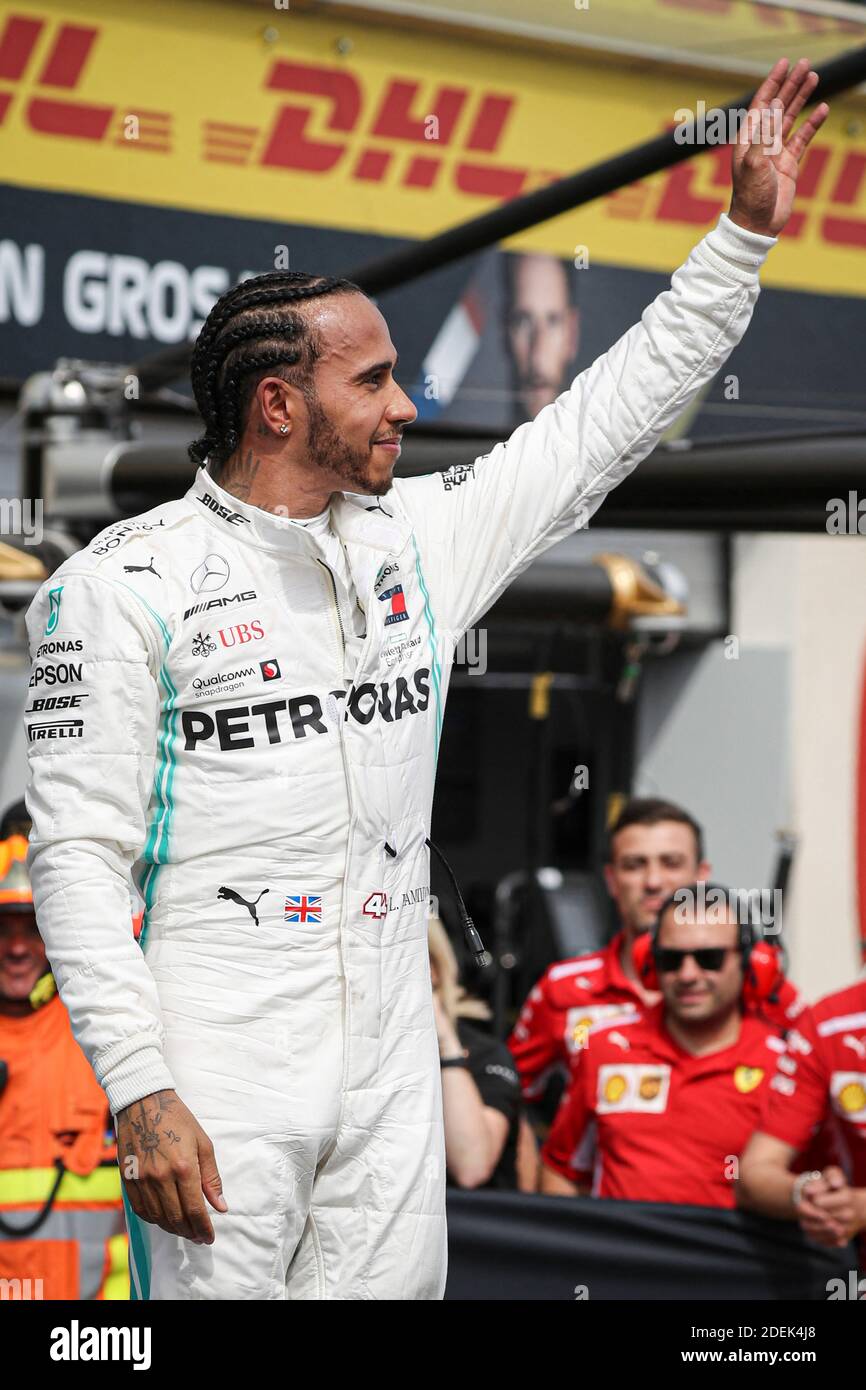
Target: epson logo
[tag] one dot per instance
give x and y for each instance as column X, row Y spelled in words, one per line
column 234, row 518
column 219, row 603
column 65, row 674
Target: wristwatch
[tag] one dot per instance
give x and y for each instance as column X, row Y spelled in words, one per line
column 459, row 1061
column 799, row 1183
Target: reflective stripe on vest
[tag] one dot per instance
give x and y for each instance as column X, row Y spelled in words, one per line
column 86, row 1213
column 91, row 1232
column 115, row 1284
column 20, row 1187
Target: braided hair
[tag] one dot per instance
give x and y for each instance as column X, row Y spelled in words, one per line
column 253, row 329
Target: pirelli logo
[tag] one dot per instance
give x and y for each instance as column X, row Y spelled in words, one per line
column 61, row 728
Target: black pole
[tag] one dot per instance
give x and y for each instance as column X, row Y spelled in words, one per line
column 419, row 257
column 521, row 213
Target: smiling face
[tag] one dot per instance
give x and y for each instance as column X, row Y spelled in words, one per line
column 348, row 421
column 22, row 955
column 648, row 863
column 693, row 993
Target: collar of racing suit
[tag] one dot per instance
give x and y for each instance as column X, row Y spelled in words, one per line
column 356, row 518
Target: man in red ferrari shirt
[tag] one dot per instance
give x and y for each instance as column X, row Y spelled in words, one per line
column 665, row 1101
column 654, row 847
column 824, row 1075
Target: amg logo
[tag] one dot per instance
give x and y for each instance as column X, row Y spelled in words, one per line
column 219, row 603
column 235, row 518
column 67, row 728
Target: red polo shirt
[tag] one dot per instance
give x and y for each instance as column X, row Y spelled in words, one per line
column 572, row 996
column 824, row 1075
column 663, row 1125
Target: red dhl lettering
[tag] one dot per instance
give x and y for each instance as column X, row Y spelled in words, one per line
column 314, row 135
column 319, row 133
column 687, row 194
column 63, row 69
column 400, row 116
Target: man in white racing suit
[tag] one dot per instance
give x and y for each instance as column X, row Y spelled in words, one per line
column 238, row 696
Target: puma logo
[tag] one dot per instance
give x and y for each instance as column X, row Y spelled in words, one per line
column 141, row 569
column 229, row 894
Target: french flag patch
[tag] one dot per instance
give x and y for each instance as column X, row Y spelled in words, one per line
column 396, row 600
column 304, row 907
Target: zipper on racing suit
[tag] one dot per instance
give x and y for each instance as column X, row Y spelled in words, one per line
column 333, row 580
column 349, row 842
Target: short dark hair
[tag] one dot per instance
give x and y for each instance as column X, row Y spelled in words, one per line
column 652, row 810
column 511, row 264
column 16, row 821
column 253, row 329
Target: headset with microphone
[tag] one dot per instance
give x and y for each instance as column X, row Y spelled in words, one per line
column 763, row 962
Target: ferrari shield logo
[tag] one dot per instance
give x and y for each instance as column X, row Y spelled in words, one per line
column 747, row 1078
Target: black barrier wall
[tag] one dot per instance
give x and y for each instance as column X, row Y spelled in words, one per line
column 504, row 1246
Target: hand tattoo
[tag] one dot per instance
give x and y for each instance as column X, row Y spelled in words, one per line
column 146, row 1129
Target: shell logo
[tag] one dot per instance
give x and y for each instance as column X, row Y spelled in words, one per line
column 853, row 1097
column 649, row 1087
column 615, row 1089
column 747, row 1078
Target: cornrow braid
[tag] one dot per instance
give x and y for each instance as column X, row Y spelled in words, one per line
column 253, row 328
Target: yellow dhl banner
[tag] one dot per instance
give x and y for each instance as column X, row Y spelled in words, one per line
column 297, row 119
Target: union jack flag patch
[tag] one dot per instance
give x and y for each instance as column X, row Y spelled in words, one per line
column 304, row 907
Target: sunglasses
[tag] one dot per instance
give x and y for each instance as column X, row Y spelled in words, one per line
column 668, row 960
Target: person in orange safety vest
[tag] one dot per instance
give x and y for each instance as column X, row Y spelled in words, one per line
column 62, row 1233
